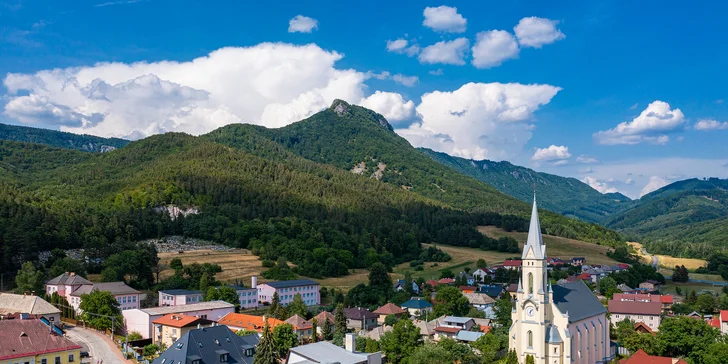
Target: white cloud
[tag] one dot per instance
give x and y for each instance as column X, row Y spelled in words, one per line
column 452, row 52
column 493, row 47
column 655, row 183
column 650, row 126
column 267, row 84
column 302, row 24
column 402, row 46
column 478, row 120
column 634, row 106
column 710, row 124
column 445, row 19
column 391, row 105
column 629, row 181
column 586, row 170
column 598, row 185
column 408, row 81
column 437, row 72
column 586, row 159
column 553, row 152
column 535, row 32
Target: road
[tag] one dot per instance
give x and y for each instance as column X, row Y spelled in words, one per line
column 655, row 262
column 94, row 343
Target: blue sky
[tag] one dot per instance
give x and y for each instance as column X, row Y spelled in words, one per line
column 540, row 85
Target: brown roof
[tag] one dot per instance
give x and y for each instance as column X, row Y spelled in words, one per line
column 180, row 321
column 635, row 308
column 299, row 323
column 389, row 309
column 322, row 316
column 358, row 313
column 449, row 329
column 30, row 337
column 479, row 298
column 640, row 357
column 640, row 326
column 512, row 287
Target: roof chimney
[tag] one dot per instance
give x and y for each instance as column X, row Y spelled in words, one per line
column 73, row 274
column 254, row 282
column 350, row 342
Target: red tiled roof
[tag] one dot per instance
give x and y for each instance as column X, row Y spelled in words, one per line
column 512, row 263
column 636, row 308
column 666, row 298
column 638, row 325
column 724, row 315
column 432, row 282
column 448, row 329
column 445, row 280
column 389, row 309
column 715, row 322
column 322, row 316
column 467, row 288
column 21, row 338
column 485, row 329
column 248, row 322
column 299, row 323
column 643, row 297
column 179, row 321
column 640, row 357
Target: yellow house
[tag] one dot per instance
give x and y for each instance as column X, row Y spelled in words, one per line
column 169, row 328
column 32, row 341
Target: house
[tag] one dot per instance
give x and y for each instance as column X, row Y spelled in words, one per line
column 492, row 290
column 240, row 321
column 479, row 300
column 578, row 261
column 32, row 341
column 512, row 264
column 248, row 297
column 389, row 309
column 480, row 274
column 649, row 313
column 640, row 357
column 377, row 332
column 427, row 329
column 512, row 289
column 442, row 332
column 666, row 301
column 215, row 344
column 641, row 328
column 450, row 326
column 445, row 281
column 464, row 323
column 468, row 336
column 417, row 307
column 555, row 261
column 625, row 288
column 178, row 297
column 722, row 321
column 140, row 320
column 470, row 280
column 467, row 289
column 400, row 284
column 286, row 290
column 321, row 321
column 650, row 285
column 128, row 298
column 326, row 352
column 65, row 284
column 300, row 326
column 34, row 305
column 358, row 318
column 169, row 328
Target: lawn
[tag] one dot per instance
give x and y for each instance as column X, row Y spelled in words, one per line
column 668, row 261
column 236, row 264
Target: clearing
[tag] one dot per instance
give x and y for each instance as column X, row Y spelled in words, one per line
column 667, row 261
column 236, row 264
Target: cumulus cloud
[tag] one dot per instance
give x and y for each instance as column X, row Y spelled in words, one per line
column 402, row 46
column 478, row 120
column 598, row 185
column 302, row 24
column 652, row 125
column 655, row 183
column 437, row 72
column 391, row 105
column 446, row 52
column 586, row 159
column 710, row 124
column 493, row 47
column 267, row 84
column 405, row 80
column 444, row 19
column 553, row 152
column 535, row 32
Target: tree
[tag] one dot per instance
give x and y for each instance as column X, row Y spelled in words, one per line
column 451, row 302
column 446, row 273
column 511, row 358
column 637, row 341
column 66, row 264
column 623, row 329
column 390, row 320
column 529, row 359
column 401, row 342
column 379, row 276
column 284, row 338
column 705, row 303
column 339, row 320
column 223, row 293
column 608, row 287
column 150, row 350
column 481, row 263
column 134, row 335
column 205, row 283
column 684, row 337
column 314, row 330
column 430, row 354
column 98, row 307
column 490, row 346
column 176, row 264
column 680, row 274
column 274, row 303
column 503, row 308
column 692, row 298
column 326, row 332
column 297, row 306
column 264, row 352
column 246, row 332
column 29, row 280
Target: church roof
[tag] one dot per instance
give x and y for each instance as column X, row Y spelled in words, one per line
column 578, row 300
column 552, row 336
column 535, row 241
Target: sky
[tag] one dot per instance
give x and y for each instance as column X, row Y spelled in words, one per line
column 624, row 96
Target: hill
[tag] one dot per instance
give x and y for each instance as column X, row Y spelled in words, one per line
column 567, row 196
column 59, row 139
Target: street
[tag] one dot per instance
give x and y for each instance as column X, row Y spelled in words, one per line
column 97, row 347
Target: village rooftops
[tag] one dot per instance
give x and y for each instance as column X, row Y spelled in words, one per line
column 210, row 345
column 322, row 317
column 21, row 338
column 17, row 303
column 640, row 357
column 291, row 283
column 512, row 263
column 635, row 307
column 68, row 279
column 249, row 322
column 116, row 288
column 211, row 305
column 326, row 352
column 180, row 321
column 389, row 309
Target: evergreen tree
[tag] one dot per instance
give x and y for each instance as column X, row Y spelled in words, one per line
column 529, row 359
column 511, row 358
column 275, row 302
column 314, row 330
column 326, row 332
column 339, row 320
column 204, row 283
column 265, row 352
column 297, row 307
column 692, row 298
column 29, row 280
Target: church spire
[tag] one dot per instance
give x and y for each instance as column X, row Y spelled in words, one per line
column 535, row 241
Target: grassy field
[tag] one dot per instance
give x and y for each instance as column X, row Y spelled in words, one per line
column 668, row 261
column 670, row 286
column 236, row 264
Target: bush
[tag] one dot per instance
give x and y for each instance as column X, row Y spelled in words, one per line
column 419, row 268
column 268, row 263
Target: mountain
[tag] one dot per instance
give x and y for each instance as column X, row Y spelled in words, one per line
column 616, row 196
column 85, row 143
column 567, row 196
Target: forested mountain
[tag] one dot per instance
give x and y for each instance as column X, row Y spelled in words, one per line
column 86, row 143
column 567, row 196
column 686, row 218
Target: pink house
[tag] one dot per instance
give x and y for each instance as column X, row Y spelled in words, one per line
column 72, row 287
column 286, row 290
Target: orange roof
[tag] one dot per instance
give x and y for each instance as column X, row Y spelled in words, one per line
column 715, row 322
column 452, row 330
column 248, row 322
column 485, row 329
column 724, row 315
column 640, row 357
column 666, row 298
column 389, row 309
column 445, row 280
column 177, row 320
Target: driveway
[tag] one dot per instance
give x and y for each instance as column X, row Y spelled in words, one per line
column 98, row 346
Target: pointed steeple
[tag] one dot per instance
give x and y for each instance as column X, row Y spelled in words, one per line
column 520, row 286
column 535, row 241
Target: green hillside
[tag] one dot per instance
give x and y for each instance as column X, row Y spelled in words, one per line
column 567, row 196
column 85, row 143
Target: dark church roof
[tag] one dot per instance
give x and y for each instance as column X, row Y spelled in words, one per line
column 578, row 300
column 208, row 345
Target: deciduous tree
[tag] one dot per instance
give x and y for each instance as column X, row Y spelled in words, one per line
column 29, row 280
column 401, row 342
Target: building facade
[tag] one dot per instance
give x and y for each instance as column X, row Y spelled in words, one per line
column 140, row 320
column 308, row 289
column 646, row 312
column 169, row 328
column 558, row 324
column 34, row 305
column 32, row 341
column 178, row 297
column 71, row 287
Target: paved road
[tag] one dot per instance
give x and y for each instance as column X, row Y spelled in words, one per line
column 655, row 262
column 97, row 347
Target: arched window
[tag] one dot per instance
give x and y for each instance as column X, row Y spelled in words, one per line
column 530, row 283
column 530, row 339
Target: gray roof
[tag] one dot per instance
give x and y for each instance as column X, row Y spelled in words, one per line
column 326, row 352
column 113, row 287
column 180, row 292
column 459, row 320
column 470, row 336
column 552, row 335
column 211, row 305
column 578, row 300
column 535, row 241
column 18, row 303
column 69, row 279
column 207, row 345
column 292, row 283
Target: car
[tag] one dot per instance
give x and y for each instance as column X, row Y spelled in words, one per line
column 84, row 354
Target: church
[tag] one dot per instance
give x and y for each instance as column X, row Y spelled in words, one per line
column 557, row 324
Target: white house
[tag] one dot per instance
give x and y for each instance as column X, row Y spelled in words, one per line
column 140, row 320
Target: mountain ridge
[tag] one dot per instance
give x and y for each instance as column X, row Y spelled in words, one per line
column 60, row 139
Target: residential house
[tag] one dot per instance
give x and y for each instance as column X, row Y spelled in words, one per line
column 358, row 318
column 377, row 332
column 450, row 326
column 492, row 290
column 467, row 289
column 650, row 286
column 34, row 305
column 479, row 300
column 321, row 321
column 427, row 329
column 512, row 289
column 32, row 341
column 512, row 264
column 720, row 322
column 556, row 261
column 694, row 315
column 641, row 328
column 666, row 301
column 578, row 261
column 432, row 283
column 128, row 298
column 326, row 352
column 649, row 313
column 286, row 290
column 169, row 328
column 625, row 288
column 445, row 281
column 389, row 309
column 140, row 320
column 468, row 336
column 215, row 344
column 399, row 286
column 465, row 323
column 469, row 279
column 240, row 321
column 178, row 297
column 640, row 357
column 301, row 327
column 65, row 284
column 417, row 307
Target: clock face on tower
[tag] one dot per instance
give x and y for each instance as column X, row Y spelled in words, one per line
column 530, row 311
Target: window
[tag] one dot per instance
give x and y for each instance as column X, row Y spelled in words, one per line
column 44, row 361
column 555, row 349
column 58, row 360
column 530, row 284
column 70, row 358
column 223, row 358
column 530, row 339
